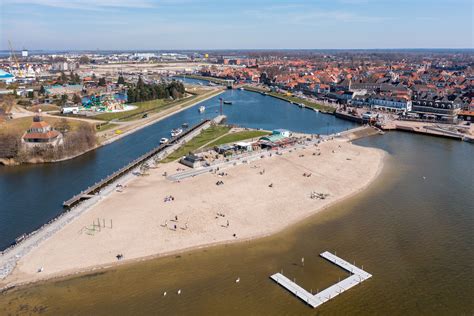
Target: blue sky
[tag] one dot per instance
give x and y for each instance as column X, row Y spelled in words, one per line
column 213, row 24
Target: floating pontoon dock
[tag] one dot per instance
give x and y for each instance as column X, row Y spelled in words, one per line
column 314, row 300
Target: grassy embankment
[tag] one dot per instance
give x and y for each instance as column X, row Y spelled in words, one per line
column 255, row 89
column 203, row 138
column 206, row 78
column 153, row 106
column 236, row 137
column 314, row 105
column 20, row 125
column 311, row 104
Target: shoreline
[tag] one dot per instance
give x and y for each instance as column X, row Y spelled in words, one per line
column 66, row 273
column 151, row 121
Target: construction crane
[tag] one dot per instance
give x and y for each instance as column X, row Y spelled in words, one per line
column 15, row 60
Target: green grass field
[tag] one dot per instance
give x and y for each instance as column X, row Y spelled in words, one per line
column 236, row 137
column 307, row 103
column 255, row 89
column 142, row 107
column 20, row 125
column 203, row 138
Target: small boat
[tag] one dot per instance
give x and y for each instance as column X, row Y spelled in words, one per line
column 301, row 105
column 176, row 132
column 315, row 110
column 202, row 108
column 164, row 140
column 241, row 89
column 263, row 93
column 20, row 238
column 227, row 102
column 185, row 125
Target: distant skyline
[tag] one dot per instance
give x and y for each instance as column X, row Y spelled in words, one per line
column 212, row 24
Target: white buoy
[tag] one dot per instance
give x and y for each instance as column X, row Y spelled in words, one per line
column 164, row 293
column 238, row 280
column 179, row 291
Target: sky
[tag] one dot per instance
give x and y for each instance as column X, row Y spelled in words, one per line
column 238, row 24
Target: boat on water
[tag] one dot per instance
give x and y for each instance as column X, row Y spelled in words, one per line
column 185, row 125
column 175, row 132
column 164, row 140
column 241, row 89
column 227, row 102
column 315, row 110
column 202, row 108
column 301, row 105
column 263, row 93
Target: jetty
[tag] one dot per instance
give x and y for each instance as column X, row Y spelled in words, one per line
column 92, row 190
column 314, row 300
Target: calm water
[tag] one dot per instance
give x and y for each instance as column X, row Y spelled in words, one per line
column 414, row 235
column 31, row 195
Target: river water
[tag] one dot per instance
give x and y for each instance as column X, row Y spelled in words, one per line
column 412, row 229
column 31, row 195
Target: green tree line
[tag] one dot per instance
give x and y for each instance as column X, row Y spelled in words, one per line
column 146, row 92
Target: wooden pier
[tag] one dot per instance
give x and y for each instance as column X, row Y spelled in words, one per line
column 314, row 300
column 95, row 188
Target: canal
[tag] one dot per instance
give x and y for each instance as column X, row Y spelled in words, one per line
column 31, row 195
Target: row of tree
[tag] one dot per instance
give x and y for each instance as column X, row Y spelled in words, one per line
column 145, row 92
column 73, row 78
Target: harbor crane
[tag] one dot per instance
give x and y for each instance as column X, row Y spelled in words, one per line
column 15, row 60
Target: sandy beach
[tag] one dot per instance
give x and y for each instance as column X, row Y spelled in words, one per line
column 139, row 223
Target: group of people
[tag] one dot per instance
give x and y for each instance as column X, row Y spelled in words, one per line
column 220, row 182
column 169, row 198
column 320, row 196
column 175, row 226
column 307, row 174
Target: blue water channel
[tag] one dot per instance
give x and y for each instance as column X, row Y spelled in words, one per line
column 31, row 195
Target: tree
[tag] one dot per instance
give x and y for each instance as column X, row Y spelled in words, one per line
column 42, row 90
column 102, row 82
column 63, row 100
column 84, row 59
column 76, row 99
column 62, row 126
column 121, row 80
column 7, row 103
column 10, row 145
column 63, row 78
column 75, row 78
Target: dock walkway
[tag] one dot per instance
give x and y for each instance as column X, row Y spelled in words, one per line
column 314, row 300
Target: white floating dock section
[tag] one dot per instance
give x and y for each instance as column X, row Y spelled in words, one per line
column 314, row 300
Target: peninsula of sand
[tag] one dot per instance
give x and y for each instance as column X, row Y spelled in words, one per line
column 154, row 216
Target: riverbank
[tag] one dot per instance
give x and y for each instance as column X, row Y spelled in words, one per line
column 252, row 209
column 110, row 136
column 126, row 128
column 289, row 98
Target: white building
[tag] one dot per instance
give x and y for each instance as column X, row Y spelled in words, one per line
column 392, row 103
column 6, row 77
